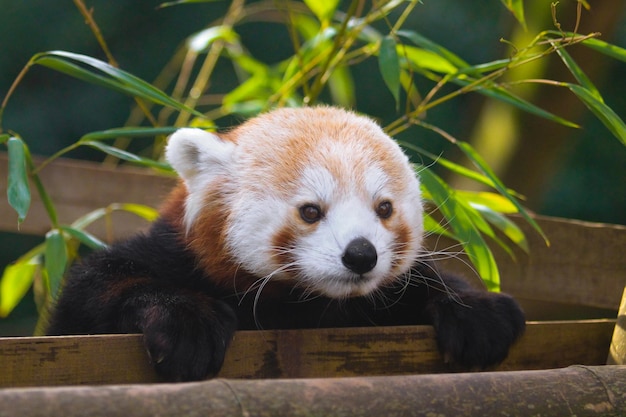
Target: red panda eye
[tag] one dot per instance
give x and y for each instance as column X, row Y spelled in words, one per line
column 384, row 210
column 311, row 213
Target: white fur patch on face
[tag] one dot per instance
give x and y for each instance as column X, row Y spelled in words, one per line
column 320, row 253
column 253, row 221
column 350, row 214
column 317, row 185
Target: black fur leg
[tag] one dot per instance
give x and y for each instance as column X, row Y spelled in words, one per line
column 475, row 329
column 186, row 339
column 150, row 285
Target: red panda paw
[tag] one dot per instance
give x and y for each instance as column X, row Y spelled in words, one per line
column 188, row 342
column 476, row 329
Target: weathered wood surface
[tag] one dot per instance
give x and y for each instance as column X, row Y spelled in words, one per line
column 317, row 353
column 575, row 391
column 79, row 187
column 583, row 266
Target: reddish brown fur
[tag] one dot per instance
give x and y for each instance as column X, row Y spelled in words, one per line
column 206, row 238
column 305, row 144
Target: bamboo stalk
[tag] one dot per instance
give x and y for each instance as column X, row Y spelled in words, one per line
column 617, row 351
column 578, row 390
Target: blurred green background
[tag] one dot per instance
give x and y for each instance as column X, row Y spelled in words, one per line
column 563, row 172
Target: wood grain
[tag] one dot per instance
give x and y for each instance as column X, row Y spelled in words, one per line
column 318, row 353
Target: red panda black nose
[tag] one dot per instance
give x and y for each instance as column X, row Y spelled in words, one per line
column 360, row 256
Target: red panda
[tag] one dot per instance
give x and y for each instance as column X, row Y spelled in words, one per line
column 298, row 218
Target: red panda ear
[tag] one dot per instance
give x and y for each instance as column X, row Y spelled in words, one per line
column 198, row 156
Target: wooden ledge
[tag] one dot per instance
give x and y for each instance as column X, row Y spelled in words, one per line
column 318, row 353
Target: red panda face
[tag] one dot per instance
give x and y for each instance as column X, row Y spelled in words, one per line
column 319, row 198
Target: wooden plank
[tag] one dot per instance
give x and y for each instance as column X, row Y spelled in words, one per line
column 403, row 350
column 316, row 353
column 79, row 187
column 73, row 360
column 557, row 344
column 584, row 264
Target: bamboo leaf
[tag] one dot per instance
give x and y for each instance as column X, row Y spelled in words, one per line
column 425, row 59
column 341, row 87
column 140, row 210
column 603, row 112
column 88, row 218
column 202, row 41
column 411, row 90
column 18, row 187
column 114, row 79
column 601, row 46
column 318, row 45
column 432, row 226
column 487, row 171
column 506, row 96
column 43, row 194
column 176, row 3
column 578, row 73
column 431, row 46
column 247, row 108
column 127, row 132
column 493, row 201
column 145, row 212
column 4, row 138
column 55, row 259
column 505, row 225
column 486, row 66
column 389, row 66
column 454, row 167
column 84, row 237
column 463, row 228
column 16, row 279
column 517, row 8
column 253, row 88
column 481, row 224
column 323, row 9
column 127, row 156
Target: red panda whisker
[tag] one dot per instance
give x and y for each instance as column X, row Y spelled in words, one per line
column 260, row 283
column 436, row 283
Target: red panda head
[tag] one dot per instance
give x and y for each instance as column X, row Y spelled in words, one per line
column 318, row 198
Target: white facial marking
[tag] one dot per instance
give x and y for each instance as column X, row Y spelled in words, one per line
column 317, row 185
column 375, row 182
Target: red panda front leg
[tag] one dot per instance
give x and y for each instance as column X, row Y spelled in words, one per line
column 474, row 328
column 185, row 334
column 185, row 331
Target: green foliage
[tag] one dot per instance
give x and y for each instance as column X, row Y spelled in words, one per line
column 18, row 189
column 327, row 43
